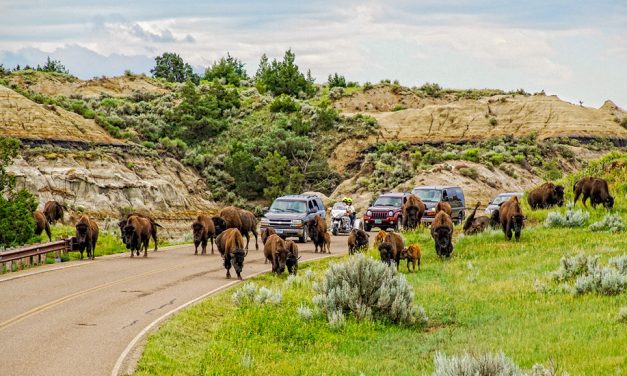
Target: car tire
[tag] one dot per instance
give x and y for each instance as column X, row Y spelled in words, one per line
column 303, row 239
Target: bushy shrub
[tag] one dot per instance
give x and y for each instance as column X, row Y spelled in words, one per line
column 305, row 312
column 367, row 289
column 336, row 93
column 603, row 281
column 471, row 154
column 469, row 172
column 572, row 218
column 573, row 266
column 250, row 293
column 284, row 103
column 487, row 364
column 622, row 315
column 336, row 80
column 620, row 263
column 398, row 107
column 611, row 222
column 591, row 277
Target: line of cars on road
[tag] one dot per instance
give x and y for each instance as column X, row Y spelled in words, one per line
column 289, row 214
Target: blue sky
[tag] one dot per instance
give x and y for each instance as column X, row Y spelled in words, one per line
column 574, row 49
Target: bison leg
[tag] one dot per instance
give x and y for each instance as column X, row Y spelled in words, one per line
column 508, row 231
column 204, row 246
column 196, row 244
column 256, row 244
column 247, row 240
column 577, row 194
column 154, row 238
column 212, row 245
column 584, row 199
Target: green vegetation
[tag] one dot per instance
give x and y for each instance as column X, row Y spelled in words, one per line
column 172, row 68
column 227, row 71
column 284, row 77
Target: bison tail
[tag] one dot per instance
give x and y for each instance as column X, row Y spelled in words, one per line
column 156, row 224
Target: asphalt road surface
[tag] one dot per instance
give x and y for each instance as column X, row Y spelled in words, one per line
column 77, row 318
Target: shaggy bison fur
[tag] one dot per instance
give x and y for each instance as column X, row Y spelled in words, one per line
column 153, row 230
column 442, row 234
column 413, row 210
column 511, row 217
column 86, row 236
column 386, row 252
column 203, row 230
column 411, row 254
column 53, row 211
column 219, row 224
column 545, row 196
column 241, row 219
column 379, row 238
column 317, row 229
column 136, row 234
column 265, row 233
column 231, row 246
column 594, row 188
column 476, row 225
column 357, row 241
column 397, row 246
column 445, row 206
column 292, row 257
column 41, row 224
column 275, row 251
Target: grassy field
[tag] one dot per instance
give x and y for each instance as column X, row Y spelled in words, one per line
column 486, row 298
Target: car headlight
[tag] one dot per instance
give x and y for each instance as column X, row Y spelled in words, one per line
column 265, row 221
column 369, row 213
column 390, row 214
column 297, row 222
column 433, row 209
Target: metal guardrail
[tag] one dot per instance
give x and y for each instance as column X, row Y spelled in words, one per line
column 37, row 250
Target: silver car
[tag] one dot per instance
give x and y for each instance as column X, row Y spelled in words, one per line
column 499, row 199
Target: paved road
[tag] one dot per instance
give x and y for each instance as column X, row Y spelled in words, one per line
column 76, row 318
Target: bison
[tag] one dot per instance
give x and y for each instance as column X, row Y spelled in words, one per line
column 153, row 230
column 397, row 246
column 386, row 252
column 411, row 254
column 545, row 196
column 203, row 230
column 136, row 234
column 476, row 225
column 594, row 188
column 292, row 257
column 442, row 234
column 275, row 251
column 265, row 233
column 241, row 219
column 511, row 218
column 317, row 229
column 53, row 211
column 413, row 210
column 86, row 236
column 231, row 246
column 445, row 206
column 379, row 238
column 219, row 224
column 41, row 224
column 357, row 241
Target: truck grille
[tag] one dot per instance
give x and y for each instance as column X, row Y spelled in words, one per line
column 379, row 215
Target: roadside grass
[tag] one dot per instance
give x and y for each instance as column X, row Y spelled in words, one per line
column 487, row 297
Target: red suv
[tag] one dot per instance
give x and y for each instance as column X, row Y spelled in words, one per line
column 385, row 211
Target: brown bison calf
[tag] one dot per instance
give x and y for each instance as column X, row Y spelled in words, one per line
column 275, row 251
column 53, row 211
column 86, row 236
column 444, row 206
column 231, row 246
column 136, row 234
column 379, row 238
column 317, row 228
column 511, row 217
column 265, row 233
column 292, row 257
column 41, row 224
column 241, row 219
column 546, row 196
column 594, row 188
column 442, row 234
column 357, row 241
column 203, row 230
column 476, row 225
column 413, row 210
column 411, row 254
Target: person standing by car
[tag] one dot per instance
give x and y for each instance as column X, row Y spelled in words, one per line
column 350, row 209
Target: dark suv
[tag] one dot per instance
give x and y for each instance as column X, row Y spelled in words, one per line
column 431, row 195
column 288, row 214
column 385, row 211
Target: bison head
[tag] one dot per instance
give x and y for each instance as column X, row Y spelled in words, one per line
column 81, row 232
column 443, row 240
column 238, row 260
column 128, row 235
column 558, row 195
column 385, row 252
column 197, row 230
column 609, row 202
column 292, row 263
column 517, row 224
column 219, row 223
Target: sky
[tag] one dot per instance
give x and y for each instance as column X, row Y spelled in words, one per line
column 574, row 49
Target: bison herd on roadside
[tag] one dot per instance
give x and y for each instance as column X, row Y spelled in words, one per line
column 228, row 229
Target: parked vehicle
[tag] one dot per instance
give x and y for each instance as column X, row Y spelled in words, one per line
column 340, row 220
column 288, row 215
column 431, row 195
column 499, row 199
column 386, row 211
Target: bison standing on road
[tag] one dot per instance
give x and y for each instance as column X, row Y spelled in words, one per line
column 511, row 217
column 241, row 219
column 153, row 228
column 476, row 225
column 357, row 241
column 275, row 251
column 594, row 188
column 136, row 234
column 546, row 196
column 53, row 212
column 317, row 228
column 442, row 234
column 292, row 257
column 41, row 224
column 203, row 230
column 397, row 246
column 87, row 236
column 231, row 246
column 413, row 210
column 444, row 206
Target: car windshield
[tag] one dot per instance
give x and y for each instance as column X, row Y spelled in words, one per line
column 339, row 206
column 502, row 198
column 280, row 206
column 388, row 201
column 432, row 195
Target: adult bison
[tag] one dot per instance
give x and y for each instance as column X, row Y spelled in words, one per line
column 386, row 253
column 265, row 234
column 444, row 206
column 203, row 229
column 86, row 236
column 442, row 234
column 397, row 245
column 241, row 219
column 476, row 225
column 41, row 224
column 594, row 188
column 292, row 257
column 545, row 196
column 413, row 210
column 231, row 246
column 153, row 228
column 53, row 211
column 275, row 251
column 136, row 234
column 317, row 229
column 511, row 217
column 357, row 241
